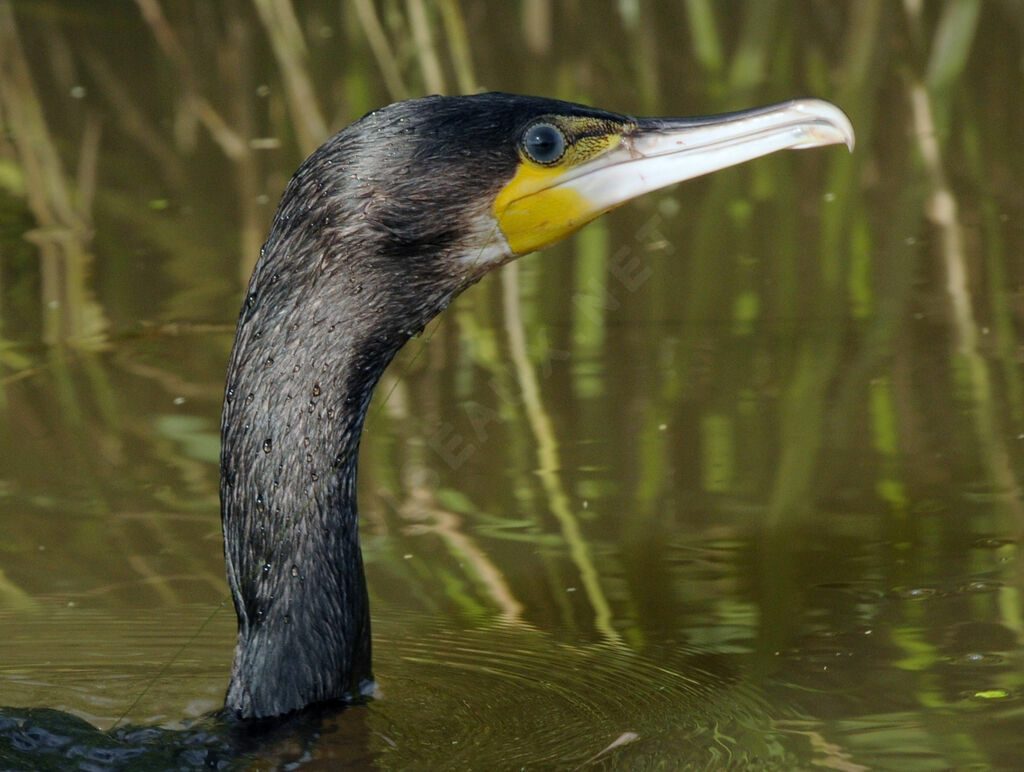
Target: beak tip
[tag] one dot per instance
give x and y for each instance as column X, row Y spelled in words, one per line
column 834, row 127
column 850, row 139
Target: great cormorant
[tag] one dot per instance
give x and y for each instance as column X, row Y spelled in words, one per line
column 377, row 232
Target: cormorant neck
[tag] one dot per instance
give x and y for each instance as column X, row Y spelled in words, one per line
column 292, row 419
column 320, row 323
column 358, row 259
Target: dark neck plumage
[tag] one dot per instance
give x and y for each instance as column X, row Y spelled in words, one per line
column 327, row 308
column 290, row 435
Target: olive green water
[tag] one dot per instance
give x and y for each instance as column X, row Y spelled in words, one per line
column 729, row 479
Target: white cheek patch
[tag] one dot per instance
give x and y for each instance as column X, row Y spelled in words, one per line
column 486, row 248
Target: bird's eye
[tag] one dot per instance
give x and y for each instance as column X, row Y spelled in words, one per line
column 544, row 143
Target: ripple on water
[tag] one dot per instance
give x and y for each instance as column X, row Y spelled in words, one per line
column 510, row 696
column 499, row 697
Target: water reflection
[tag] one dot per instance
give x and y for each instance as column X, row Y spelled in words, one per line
column 775, row 514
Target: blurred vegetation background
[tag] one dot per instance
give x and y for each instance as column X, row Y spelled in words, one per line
column 810, row 365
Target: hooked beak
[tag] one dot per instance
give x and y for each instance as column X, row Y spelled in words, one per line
column 654, row 153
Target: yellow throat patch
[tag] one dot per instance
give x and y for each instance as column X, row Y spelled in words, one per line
column 538, row 206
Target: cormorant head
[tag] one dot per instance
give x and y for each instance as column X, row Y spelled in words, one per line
column 432, row 193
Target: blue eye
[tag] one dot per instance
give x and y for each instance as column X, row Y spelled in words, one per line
column 544, row 143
